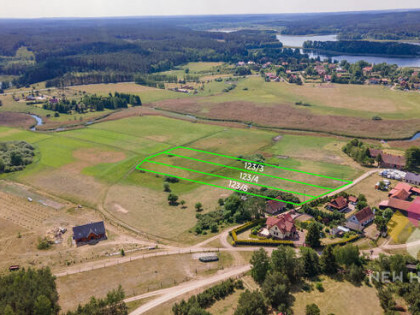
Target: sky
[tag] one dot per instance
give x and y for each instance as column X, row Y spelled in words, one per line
column 102, row 8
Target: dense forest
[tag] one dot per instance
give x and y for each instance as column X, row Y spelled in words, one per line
column 105, row 50
column 364, row 47
column 30, row 292
column 357, row 25
column 34, row 292
column 130, row 45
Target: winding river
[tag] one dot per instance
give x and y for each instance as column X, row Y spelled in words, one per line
column 39, row 122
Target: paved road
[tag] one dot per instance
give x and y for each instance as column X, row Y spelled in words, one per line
column 166, row 295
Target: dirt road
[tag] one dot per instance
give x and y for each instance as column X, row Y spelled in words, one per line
column 356, row 181
column 171, row 293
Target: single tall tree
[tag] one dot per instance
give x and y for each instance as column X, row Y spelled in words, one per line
column 276, row 289
column 328, row 262
column 310, row 262
column 313, row 236
column 260, row 265
column 251, row 303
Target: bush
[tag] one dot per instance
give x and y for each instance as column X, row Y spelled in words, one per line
column 43, row 244
column 15, row 155
column 319, row 287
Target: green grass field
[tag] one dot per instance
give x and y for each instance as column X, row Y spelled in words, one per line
column 96, row 166
column 347, row 100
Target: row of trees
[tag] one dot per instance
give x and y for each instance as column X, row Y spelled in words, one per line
column 198, row 303
column 94, row 103
column 364, row 47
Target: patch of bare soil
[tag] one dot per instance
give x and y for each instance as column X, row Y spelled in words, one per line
column 11, row 119
column 286, row 116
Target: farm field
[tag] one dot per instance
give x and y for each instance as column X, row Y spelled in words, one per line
column 95, row 166
column 333, row 108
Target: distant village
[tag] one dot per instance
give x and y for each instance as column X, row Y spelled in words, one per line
column 343, row 72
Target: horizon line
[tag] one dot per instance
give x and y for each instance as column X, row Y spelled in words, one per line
column 204, row 15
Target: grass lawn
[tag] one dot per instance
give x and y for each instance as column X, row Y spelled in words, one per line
column 340, row 298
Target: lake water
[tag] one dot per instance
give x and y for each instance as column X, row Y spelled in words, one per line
column 297, row 41
column 401, row 62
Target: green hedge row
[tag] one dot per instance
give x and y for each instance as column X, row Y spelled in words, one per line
column 348, row 240
column 249, row 225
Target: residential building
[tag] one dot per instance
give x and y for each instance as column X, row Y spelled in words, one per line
column 412, row 178
column 275, row 206
column 388, row 160
column 281, row 226
column 340, row 203
column 363, row 217
column 89, row 233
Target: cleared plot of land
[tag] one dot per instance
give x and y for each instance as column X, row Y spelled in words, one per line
column 136, row 277
column 340, row 298
column 205, row 167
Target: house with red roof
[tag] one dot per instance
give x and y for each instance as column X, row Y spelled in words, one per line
column 340, row 204
column 282, row 226
column 275, row 206
column 388, row 160
column 403, row 191
column 352, row 200
column 361, row 219
column 395, row 204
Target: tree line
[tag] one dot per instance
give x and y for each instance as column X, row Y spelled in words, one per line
column 93, row 103
column 364, row 47
column 198, row 303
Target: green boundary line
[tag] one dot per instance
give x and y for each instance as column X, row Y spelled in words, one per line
column 233, row 179
column 223, row 187
column 236, row 158
column 248, row 171
column 240, row 191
